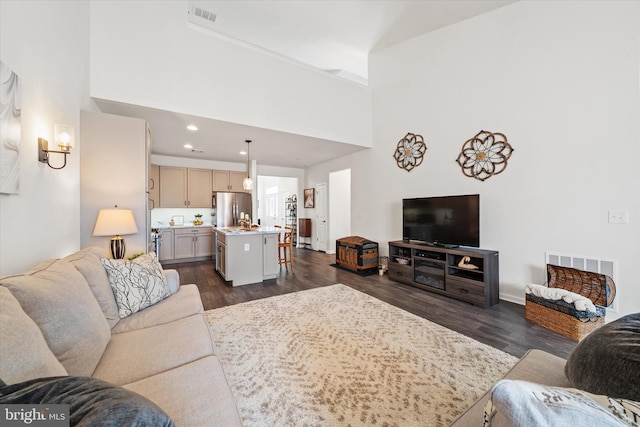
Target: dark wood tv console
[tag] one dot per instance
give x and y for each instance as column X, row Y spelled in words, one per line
column 436, row 269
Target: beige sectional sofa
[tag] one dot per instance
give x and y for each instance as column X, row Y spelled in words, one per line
column 598, row 384
column 61, row 318
column 536, row 366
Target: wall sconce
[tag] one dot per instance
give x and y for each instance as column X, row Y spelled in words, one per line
column 64, row 138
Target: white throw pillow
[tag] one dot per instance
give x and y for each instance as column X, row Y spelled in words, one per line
column 523, row 403
column 136, row 284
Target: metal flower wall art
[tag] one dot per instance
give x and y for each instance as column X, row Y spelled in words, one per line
column 410, row 151
column 484, row 155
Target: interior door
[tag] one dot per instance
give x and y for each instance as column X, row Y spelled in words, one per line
column 321, row 217
column 271, row 209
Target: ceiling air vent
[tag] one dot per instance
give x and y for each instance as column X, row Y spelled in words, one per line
column 201, row 17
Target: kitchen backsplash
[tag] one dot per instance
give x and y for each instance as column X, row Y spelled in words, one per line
column 162, row 216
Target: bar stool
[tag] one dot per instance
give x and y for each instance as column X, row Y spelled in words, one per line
column 285, row 240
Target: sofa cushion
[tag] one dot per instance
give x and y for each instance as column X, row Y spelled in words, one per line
column 202, row 383
column 535, row 365
column 523, row 403
column 183, row 303
column 131, row 356
column 24, row 353
column 607, row 361
column 87, row 262
column 57, row 297
column 136, row 284
column 92, row 402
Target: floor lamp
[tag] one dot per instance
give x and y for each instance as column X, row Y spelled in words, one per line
column 116, row 223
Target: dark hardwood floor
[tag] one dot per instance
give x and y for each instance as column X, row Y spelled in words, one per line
column 502, row 326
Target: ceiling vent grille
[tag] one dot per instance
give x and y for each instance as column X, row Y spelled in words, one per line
column 201, row 17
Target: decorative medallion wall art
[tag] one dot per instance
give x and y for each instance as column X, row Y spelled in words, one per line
column 410, row 151
column 484, row 155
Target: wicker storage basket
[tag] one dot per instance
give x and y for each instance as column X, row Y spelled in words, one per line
column 561, row 317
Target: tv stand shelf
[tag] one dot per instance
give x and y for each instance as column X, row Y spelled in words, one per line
column 436, row 269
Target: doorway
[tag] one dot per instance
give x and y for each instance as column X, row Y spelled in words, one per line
column 271, row 195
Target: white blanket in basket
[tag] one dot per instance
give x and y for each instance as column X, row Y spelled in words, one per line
column 581, row 303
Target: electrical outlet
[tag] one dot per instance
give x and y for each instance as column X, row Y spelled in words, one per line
column 246, row 247
column 618, row 217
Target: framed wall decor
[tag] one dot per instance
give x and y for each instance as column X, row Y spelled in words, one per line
column 10, row 95
column 309, row 198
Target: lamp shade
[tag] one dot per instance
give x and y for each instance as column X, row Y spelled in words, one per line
column 64, row 137
column 115, row 222
column 247, row 184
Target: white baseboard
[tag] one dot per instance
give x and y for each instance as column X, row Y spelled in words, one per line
column 511, row 298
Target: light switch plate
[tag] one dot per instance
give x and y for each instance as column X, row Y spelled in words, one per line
column 246, row 247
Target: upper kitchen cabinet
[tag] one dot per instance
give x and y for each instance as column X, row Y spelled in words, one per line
column 114, row 170
column 154, row 186
column 199, row 188
column 173, row 187
column 185, row 187
column 228, row 181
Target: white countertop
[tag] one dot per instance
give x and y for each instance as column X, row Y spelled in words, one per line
column 186, row 225
column 238, row 231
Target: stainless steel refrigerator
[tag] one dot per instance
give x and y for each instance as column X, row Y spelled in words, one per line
column 227, row 208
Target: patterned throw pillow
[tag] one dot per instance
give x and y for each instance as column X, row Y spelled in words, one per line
column 136, row 284
column 527, row 404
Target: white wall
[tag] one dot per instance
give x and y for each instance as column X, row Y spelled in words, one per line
column 144, row 53
column 561, row 80
column 47, row 44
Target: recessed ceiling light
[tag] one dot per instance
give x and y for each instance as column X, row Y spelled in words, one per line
column 192, row 127
column 188, row 146
column 243, row 153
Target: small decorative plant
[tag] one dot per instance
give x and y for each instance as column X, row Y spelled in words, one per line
column 198, row 220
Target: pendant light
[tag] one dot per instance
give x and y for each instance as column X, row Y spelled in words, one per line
column 247, row 184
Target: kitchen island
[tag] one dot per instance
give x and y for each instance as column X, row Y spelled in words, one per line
column 247, row 256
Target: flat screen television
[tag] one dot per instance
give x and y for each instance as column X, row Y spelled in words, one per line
column 443, row 221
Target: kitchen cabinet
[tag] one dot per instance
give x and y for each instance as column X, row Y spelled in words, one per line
column 199, row 188
column 185, row 187
column 173, row 187
column 269, row 255
column 221, row 255
column 192, row 242
column 154, row 186
column 166, row 245
column 228, row 180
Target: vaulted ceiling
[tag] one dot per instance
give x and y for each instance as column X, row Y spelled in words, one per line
column 329, row 35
